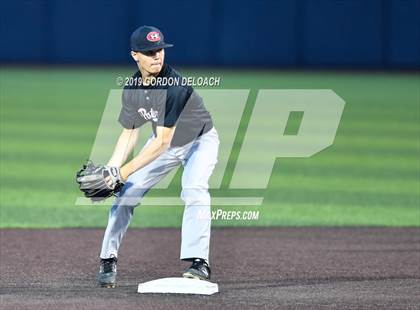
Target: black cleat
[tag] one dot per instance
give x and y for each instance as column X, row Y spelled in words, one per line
column 199, row 270
column 107, row 272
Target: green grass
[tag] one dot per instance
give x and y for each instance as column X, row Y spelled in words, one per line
column 369, row 176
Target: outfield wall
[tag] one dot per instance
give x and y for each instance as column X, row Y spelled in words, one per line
column 286, row 33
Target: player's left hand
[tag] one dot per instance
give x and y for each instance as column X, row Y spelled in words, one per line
column 99, row 182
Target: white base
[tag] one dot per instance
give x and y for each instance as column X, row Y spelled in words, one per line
column 179, row 286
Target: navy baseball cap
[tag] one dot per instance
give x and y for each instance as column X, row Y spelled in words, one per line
column 147, row 38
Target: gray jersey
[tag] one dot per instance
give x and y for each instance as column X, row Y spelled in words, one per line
column 167, row 106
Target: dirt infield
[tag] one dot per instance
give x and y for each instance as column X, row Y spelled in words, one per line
column 265, row 268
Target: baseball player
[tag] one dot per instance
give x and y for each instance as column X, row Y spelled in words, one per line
column 183, row 134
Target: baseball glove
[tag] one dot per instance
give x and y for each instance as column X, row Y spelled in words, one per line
column 99, row 182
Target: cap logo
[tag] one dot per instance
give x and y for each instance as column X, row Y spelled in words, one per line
column 153, row 36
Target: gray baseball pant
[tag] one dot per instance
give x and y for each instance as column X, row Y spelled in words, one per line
column 199, row 159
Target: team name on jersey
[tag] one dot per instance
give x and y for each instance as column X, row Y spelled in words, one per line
column 151, row 115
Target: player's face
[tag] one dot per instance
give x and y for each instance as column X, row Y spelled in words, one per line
column 151, row 61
